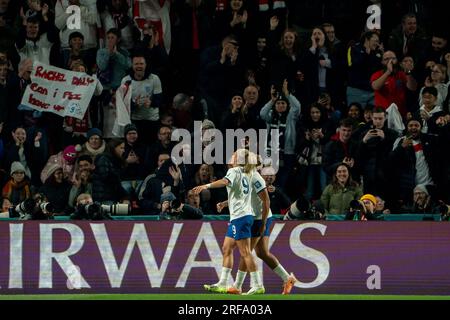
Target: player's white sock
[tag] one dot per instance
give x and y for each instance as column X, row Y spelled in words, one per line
column 240, row 277
column 252, row 282
column 255, row 279
column 279, row 270
column 224, row 277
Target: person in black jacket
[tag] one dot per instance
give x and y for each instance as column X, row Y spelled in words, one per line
column 106, row 183
column 29, row 153
column 10, row 94
column 221, row 73
column 314, row 131
column 362, row 209
column 419, row 158
column 375, row 144
column 364, row 59
column 135, row 154
column 163, row 145
column 173, row 209
column 341, row 149
column 285, row 60
column 167, row 178
column 324, row 69
column 279, row 201
column 408, row 39
column 56, row 189
column 421, row 202
column 233, row 117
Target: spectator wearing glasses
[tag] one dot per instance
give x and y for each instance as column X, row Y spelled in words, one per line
column 391, row 84
column 422, row 202
column 363, row 209
column 438, row 79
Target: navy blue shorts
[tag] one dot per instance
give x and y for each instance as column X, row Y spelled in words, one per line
column 240, row 228
column 257, row 224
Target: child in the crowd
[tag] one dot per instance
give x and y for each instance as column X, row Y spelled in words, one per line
column 17, row 189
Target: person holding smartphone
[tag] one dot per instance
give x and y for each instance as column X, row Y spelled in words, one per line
column 375, row 143
column 419, row 159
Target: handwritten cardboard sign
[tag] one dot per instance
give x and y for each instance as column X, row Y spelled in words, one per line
column 63, row 92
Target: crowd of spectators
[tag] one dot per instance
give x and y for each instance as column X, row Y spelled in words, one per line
column 362, row 116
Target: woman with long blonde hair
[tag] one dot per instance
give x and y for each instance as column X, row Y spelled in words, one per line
column 239, row 181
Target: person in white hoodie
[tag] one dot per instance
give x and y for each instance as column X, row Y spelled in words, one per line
column 35, row 40
column 430, row 112
column 89, row 19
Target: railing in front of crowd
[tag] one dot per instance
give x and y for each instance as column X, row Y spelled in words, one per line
column 336, row 217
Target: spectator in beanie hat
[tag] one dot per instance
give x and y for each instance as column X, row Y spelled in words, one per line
column 363, row 209
column 282, row 97
column 135, row 154
column 422, row 202
column 56, row 188
column 70, row 154
column 129, row 127
column 17, row 189
column 94, row 145
column 65, row 159
column 94, row 132
column 76, row 50
column 175, row 210
column 369, row 197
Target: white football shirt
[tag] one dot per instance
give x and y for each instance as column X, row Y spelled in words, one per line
column 239, row 193
column 258, row 185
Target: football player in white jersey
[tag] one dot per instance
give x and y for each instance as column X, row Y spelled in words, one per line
column 260, row 242
column 238, row 182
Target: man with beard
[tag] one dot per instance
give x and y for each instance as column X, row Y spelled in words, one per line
column 390, row 84
column 146, row 98
column 421, row 203
column 437, row 48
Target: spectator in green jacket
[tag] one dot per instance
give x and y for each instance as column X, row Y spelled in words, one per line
column 113, row 62
column 337, row 196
